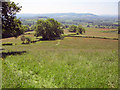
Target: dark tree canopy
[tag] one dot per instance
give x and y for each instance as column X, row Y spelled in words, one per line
column 80, row 29
column 11, row 26
column 49, row 29
column 72, row 28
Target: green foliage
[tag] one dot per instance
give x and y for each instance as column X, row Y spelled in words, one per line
column 23, row 38
column 65, row 26
column 33, row 27
column 49, row 29
column 27, row 39
column 80, row 29
column 11, row 26
column 25, row 28
column 72, row 28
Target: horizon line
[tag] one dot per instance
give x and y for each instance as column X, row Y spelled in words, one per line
column 69, row 12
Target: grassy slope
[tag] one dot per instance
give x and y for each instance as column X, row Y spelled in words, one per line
column 70, row 63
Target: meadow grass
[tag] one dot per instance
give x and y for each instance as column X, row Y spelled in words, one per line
column 69, row 63
column 102, row 32
column 95, row 33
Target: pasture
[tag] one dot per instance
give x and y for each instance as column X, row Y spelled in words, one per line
column 74, row 62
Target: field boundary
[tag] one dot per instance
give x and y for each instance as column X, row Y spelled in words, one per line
column 73, row 35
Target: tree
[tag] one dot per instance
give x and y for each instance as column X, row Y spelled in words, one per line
column 49, row 29
column 11, row 26
column 72, row 28
column 80, row 29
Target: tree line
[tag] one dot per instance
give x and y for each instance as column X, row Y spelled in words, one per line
column 77, row 29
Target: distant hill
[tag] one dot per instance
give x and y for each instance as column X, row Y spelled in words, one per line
column 85, row 16
column 60, row 15
column 71, row 18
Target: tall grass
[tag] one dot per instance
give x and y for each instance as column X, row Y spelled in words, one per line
column 73, row 63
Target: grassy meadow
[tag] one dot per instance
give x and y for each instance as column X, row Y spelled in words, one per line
column 74, row 62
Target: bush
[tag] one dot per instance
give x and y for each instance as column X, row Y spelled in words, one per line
column 23, row 39
column 28, row 40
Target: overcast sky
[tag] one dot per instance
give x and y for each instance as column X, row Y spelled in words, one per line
column 98, row 7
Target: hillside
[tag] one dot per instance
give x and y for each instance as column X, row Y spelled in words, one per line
column 72, row 18
column 56, row 14
column 67, row 15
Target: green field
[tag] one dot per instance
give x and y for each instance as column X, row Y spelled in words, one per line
column 74, row 62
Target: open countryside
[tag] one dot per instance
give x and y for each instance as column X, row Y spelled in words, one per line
column 48, row 52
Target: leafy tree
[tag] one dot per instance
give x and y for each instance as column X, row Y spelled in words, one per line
column 72, row 28
column 80, row 29
column 49, row 29
column 11, row 26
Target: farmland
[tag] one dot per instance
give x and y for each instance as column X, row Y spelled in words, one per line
column 74, row 62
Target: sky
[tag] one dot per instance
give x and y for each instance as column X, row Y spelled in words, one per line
column 98, row 7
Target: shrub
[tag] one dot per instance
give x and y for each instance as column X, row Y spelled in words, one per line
column 28, row 40
column 23, row 39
